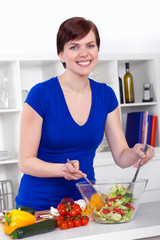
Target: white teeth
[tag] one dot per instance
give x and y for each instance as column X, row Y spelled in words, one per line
column 84, row 63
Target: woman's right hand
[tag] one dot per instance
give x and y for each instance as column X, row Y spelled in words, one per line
column 72, row 172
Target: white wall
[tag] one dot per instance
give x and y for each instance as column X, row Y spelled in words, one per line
column 125, row 26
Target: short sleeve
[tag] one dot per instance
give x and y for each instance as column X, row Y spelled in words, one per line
column 112, row 99
column 36, row 99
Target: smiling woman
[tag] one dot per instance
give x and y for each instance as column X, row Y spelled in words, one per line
column 65, row 117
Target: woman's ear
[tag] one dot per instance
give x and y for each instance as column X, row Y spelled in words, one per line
column 61, row 57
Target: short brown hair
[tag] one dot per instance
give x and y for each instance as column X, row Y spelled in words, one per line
column 75, row 28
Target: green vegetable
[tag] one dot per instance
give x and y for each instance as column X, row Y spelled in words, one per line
column 118, row 208
column 27, row 209
column 34, row 229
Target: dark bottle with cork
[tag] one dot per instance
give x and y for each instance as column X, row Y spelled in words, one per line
column 128, row 85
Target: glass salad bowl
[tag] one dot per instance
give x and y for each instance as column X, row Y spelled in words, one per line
column 116, row 200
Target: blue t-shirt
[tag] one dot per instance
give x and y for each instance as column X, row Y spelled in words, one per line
column 63, row 138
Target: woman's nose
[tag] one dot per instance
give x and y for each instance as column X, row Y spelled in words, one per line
column 84, row 52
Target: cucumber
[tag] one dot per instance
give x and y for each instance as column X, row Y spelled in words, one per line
column 27, row 209
column 34, row 229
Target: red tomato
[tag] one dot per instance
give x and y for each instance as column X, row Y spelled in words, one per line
column 59, row 218
column 60, row 206
column 62, row 211
column 63, row 225
column 84, row 220
column 77, row 222
column 59, row 222
column 72, row 212
column 67, row 216
column 77, row 208
column 70, row 223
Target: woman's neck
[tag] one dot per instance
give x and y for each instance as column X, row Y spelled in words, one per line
column 74, row 83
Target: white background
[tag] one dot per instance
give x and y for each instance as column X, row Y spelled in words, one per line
column 125, row 26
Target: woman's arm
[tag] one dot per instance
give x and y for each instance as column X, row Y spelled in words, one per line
column 30, row 135
column 122, row 154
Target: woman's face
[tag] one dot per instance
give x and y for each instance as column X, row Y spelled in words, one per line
column 80, row 56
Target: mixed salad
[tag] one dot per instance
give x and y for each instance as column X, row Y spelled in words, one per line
column 118, row 207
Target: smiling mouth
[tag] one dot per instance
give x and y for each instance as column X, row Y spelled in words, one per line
column 84, row 63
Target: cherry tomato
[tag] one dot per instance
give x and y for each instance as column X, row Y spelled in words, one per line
column 59, row 222
column 59, row 218
column 72, row 212
column 62, row 211
column 67, row 216
column 60, row 206
column 77, row 222
column 70, row 223
column 63, row 225
column 84, row 220
column 77, row 208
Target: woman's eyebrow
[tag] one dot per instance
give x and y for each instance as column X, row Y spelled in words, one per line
column 75, row 43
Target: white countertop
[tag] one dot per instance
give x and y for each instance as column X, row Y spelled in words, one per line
column 145, row 224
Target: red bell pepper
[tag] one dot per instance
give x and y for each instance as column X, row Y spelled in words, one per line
column 114, row 198
column 118, row 210
column 129, row 206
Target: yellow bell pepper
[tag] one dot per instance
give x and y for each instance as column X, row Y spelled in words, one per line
column 16, row 219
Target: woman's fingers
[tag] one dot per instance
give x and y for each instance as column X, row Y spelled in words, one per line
column 145, row 157
column 71, row 170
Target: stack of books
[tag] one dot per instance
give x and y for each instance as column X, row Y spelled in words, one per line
column 141, row 128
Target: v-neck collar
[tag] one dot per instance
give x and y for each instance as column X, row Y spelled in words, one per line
column 67, row 109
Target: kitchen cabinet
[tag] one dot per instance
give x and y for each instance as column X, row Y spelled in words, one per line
column 24, row 71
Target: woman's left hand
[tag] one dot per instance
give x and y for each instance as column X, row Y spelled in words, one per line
column 146, row 157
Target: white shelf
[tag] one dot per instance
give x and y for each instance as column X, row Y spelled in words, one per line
column 29, row 69
column 7, row 110
column 8, row 161
column 141, row 104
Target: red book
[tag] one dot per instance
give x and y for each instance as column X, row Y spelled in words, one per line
column 153, row 130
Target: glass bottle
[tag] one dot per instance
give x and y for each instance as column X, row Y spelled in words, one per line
column 3, row 92
column 128, row 85
column 121, row 90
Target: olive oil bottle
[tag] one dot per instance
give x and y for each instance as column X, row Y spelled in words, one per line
column 128, row 85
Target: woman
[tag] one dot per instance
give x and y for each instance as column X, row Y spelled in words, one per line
column 65, row 118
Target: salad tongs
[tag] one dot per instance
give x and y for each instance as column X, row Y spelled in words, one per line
column 130, row 187
column 93, row 185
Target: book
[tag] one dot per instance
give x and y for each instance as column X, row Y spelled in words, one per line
column 153, row 130
column 134, row 128
column 144, row 127
column 149, row 128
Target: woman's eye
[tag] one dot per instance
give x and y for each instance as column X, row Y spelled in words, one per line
column 73, row 47
column 90, row 46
